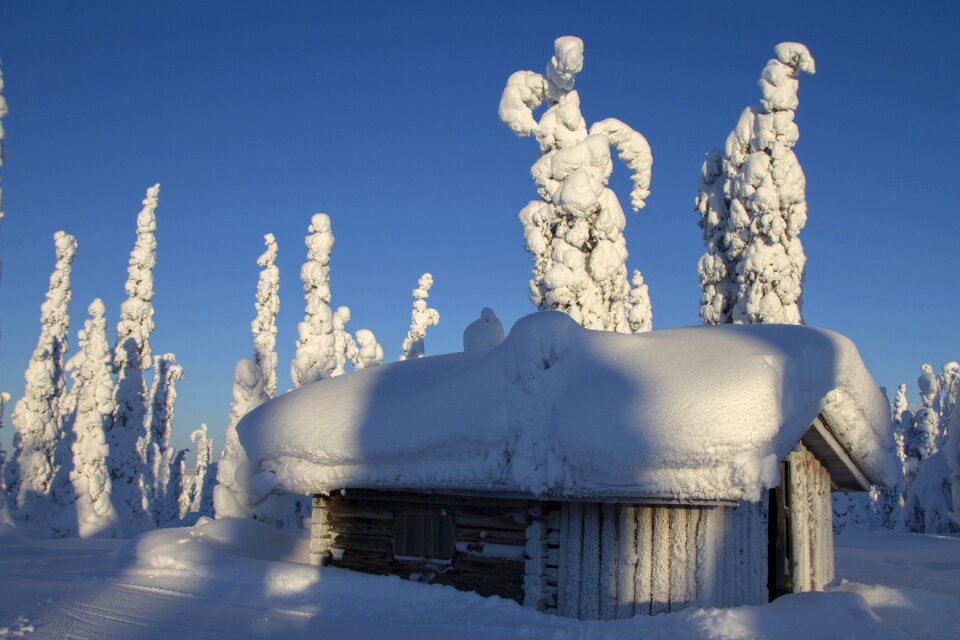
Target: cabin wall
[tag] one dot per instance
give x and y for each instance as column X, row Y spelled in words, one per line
column 357, row 531
column 807, row 489
column 619, row 560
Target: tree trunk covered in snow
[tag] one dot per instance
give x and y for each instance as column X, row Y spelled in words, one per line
column 37, row 416
column 575, row 230
column 131, row 358
column 752, row 206
column 92, row 370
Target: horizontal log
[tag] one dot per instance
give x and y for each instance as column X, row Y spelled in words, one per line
column 433, row 499
column 362, row 526
column 361, row 543
column 494, row 536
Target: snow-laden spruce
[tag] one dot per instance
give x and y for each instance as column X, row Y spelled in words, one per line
column 131, row 358
column 752, row 206
column 323, row 345
column 264, row 325
column 177, row 503
column 36, row 416
column 231, row 496
column 92, row 372
column 159, row 427
column 4, row 511
column 421, row 318
column 201, row 499
column 484, row 333
column 575, row 230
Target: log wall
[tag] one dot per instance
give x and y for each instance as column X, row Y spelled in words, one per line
column 809, row 509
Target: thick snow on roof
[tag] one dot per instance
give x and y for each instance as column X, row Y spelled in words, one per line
column 692, row 413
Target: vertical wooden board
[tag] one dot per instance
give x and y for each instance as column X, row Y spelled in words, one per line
column 627, row 569
column 758, row 546
column 830, row 574
column 571, row 559
column 693, row 519
column 643, row 584
column 707, row 573
column 816, row 517
column 736, row 560
column 590, row 571
column 610, row 560
column 798, row 523
column 678, row 558
column 660, row 565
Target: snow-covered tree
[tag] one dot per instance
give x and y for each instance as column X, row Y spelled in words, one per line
column 752, row 206
column 159, row 427
column 36, row 416
column 484, row 333
column 641, row 313
column 324, row 346
column 93, row 384
column 4, row 511
column 951, row 451
column 949, row 383
column 421, row 318
column 201, row 500
column 575, row 230
column 131, row 358
column 176, row 503
column 231, row 496
column 264, row 326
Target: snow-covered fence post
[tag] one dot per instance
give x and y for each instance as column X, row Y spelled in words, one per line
column 575, row 230
column 752, row 206
column 131, row 358
column 92, row 371
column 36, row 416
column 264, row 325
column 421, row 318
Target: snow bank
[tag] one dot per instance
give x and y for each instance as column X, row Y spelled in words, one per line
column 692, row 413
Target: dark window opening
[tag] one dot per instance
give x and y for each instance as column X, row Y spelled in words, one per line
column 427, row 536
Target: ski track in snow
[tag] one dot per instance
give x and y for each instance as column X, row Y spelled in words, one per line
column 201, row 583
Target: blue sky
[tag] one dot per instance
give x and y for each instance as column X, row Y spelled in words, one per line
column 254, row 115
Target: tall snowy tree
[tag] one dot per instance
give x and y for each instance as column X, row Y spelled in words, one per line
column 315, row 357
column 323, row 345
column 421, row 318
column 159, row 427
column 949, row 383
column 231, row 496
column 752, row 206
column 4, row 511
column 93, row 385
column 201, row 500
column 575, row 230
column 36, row 416
column 264, row 326
column 177, row 503
column 131, row 358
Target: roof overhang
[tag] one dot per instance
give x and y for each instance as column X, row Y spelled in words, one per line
column 845, row 473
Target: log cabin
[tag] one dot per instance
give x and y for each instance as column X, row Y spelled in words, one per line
column 588, row 474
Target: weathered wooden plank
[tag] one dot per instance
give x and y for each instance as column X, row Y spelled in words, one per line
column 609, row 561
column 660, row 562
column 571, row 541
column 627, row 566
column 361, row 542
column 678, row 559
column 494, row 536
column 692, row 556
column 643, row 596
column 590, row 571
column 362, row 526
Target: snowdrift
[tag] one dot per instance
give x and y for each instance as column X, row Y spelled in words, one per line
column 698, row 413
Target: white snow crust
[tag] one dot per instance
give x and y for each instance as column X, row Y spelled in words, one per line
column 691, row 413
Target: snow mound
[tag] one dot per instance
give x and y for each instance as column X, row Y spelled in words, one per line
column 691, row 413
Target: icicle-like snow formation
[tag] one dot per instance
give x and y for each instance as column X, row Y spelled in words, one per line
column 231, row 496
column 264, row 326
column 131, row 358
column 201, row 500
column 92, row 371
column 752, row 206
column 421, row 318
column 159, row 427
column 36, row 416
column 484, row 333
column 575, row 230
column 315, row 357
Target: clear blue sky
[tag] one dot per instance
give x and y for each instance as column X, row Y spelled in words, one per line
column 254, row 115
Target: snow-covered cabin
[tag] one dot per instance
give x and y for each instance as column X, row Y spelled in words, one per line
column 592, row 474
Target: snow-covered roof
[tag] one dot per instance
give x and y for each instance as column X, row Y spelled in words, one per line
column 698, row 413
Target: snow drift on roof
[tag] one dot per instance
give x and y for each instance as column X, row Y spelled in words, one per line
column 692, row 414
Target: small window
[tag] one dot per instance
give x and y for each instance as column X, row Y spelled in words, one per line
column 424, row 536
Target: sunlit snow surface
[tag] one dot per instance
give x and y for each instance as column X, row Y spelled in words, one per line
column 699, row 412
column 239, row 579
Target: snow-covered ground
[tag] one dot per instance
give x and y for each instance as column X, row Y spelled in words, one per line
column 240, row 579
